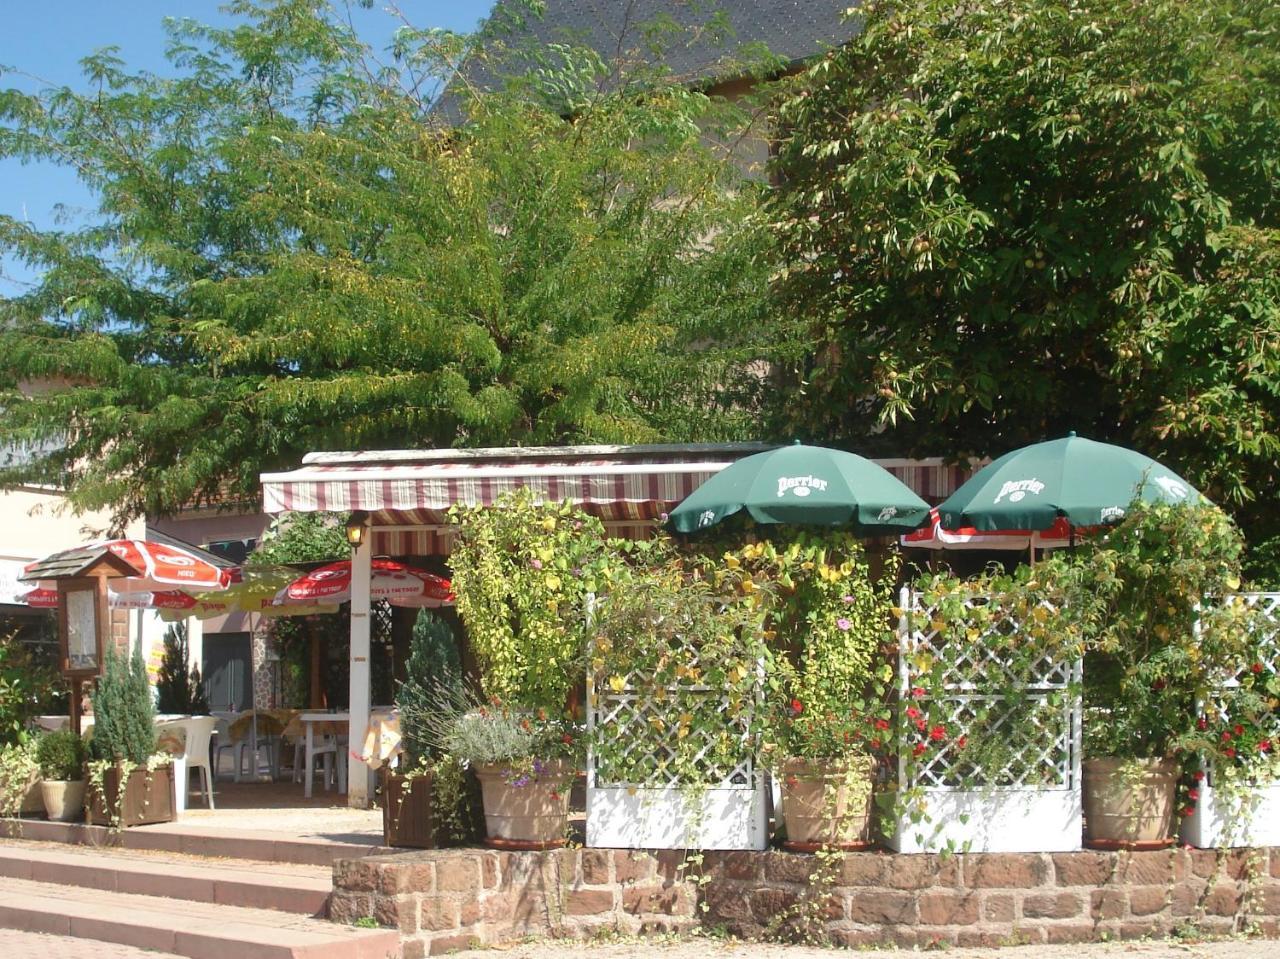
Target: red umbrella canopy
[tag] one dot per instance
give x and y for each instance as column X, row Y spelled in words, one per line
column 936, row 536
column 398, row 584
column 160, row 567
column 165, row 599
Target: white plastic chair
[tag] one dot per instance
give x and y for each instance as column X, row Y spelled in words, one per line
column 199, row 731
column 325, row 758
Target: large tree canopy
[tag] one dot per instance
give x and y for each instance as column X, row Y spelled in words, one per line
column 1007, row 219
column 290, row 254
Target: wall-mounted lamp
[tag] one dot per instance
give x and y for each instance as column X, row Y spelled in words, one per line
column 357, row 524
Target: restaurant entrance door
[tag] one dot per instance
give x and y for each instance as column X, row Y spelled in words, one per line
column 227, row 671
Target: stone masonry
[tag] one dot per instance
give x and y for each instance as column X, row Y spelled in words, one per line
column 442, row 900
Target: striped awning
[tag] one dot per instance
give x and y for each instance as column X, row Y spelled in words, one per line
column 409, row 493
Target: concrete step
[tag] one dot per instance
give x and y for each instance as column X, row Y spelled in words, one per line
column 196, row 841
column 298, row 889
column 195, row 930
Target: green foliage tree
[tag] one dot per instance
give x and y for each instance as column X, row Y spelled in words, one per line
column 25, row 688
column 123, row 712
column 301, row 538
column 289, row 253
column 180, row 690
column 1008, row 219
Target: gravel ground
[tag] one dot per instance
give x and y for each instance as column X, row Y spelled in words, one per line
column 715, row 949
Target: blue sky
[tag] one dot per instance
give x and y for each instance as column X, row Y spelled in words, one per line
column 44, row 42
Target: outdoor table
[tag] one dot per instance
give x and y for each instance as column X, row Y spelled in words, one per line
column 384, row 727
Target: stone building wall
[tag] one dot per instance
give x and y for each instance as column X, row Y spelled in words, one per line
column 442, row 900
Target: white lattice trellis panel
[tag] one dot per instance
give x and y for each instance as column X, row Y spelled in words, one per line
column 637, row 800
column 1219, row 820
column 1032, row 801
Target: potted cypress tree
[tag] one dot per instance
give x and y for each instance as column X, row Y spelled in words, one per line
column 429, row 800
column 61, row 756
column 128, row 784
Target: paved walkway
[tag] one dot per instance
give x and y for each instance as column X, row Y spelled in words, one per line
column 37, row 945
column 714, row 949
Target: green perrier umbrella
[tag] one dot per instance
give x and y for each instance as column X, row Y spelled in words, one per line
column 1087, row 482
column 805, row 485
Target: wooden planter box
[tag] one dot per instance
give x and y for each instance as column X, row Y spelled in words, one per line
column 408, row 814
column 148, row 797
column 406, row 811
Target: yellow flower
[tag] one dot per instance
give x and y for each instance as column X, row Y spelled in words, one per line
column 617, row 683
column 731, row 561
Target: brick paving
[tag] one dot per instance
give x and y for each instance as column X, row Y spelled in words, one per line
column 37, row 945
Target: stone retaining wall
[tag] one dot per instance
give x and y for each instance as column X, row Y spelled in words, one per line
column 450, row 899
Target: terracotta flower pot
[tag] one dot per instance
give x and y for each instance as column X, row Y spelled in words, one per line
column 533, row 813
column 63, row 799
column 827, row 802
column 1126, row 808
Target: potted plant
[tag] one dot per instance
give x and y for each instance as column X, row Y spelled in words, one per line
column 61, row 756
column 1160, row 634
column 128, row 783
column 526, row 764
column 428, row 798
column 522, row 574
column 827, row 715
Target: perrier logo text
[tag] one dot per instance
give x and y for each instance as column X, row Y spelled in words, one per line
column 800, row 485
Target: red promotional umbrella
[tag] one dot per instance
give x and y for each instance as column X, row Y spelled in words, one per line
column 166, row 599
column 160, row 567
column 935, row 536
column 396, row 583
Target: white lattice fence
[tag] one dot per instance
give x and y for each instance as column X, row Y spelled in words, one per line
column 1253, row 820
column 1026, row 798
column 637, row 799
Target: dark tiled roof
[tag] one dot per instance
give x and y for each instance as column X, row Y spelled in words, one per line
column 75, row 562
column 619, row 30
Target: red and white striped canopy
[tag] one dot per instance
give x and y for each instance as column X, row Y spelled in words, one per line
column 409, row 493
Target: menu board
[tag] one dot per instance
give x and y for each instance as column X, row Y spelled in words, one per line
column 82, row 632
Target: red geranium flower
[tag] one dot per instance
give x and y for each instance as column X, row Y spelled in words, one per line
column 913, row 713
column 1238, row 729
column 937, row 732
column 917, row 749
column 918, row 692
column 1229, row 752
column 1257, row 667
column 875, row 744
column 1193, row 794
column 1264, row 746
column 962, row 741
column 1202, row 723
column 921, row 725
column 1198, row 775
column 1188, row 810
column 797, row 707
column 1226, row 736
column 882, row 724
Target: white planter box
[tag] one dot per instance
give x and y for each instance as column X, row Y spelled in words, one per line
column 728, row 818
column 1218, row 820
column 995, row 820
